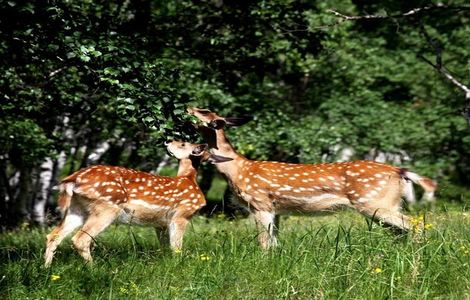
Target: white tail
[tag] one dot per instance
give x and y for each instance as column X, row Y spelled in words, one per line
column 270, row 188
column 427, row 184
column 99, row 195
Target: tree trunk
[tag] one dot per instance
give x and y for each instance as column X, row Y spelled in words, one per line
column 43, row 185
column 5, row 195
column 51, row 203
column 95, row 155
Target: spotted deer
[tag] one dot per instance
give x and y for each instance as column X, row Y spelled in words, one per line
column 99, row 195
column 269, row 188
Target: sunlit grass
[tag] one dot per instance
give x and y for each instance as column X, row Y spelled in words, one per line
column 336, row 256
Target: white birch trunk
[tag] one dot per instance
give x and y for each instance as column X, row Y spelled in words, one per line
column 96, row 154
column 42, row 192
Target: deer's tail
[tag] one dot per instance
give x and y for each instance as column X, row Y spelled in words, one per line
column 427, row 184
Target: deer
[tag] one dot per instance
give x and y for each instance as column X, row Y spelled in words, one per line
column 99, row 195
column 269, row 189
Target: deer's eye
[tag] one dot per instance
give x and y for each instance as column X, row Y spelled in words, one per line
column 183, row 144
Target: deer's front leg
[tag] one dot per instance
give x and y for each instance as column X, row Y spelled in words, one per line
column 267, row 223
column 176, row 231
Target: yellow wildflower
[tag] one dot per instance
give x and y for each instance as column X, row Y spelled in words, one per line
column 55, row 277
column 428, row 226
column 177, row 251
column 416, row 220
column 204, row 257
column 134, row 286
column 123, row 290
column 377, row 270
column 464, row 250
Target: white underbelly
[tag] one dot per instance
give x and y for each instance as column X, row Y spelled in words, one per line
column 142, row 213
column 311, row 204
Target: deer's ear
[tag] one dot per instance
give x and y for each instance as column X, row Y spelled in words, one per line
column 238, row 121
column 199, row 150
column 215, row 159
column 217, row 124
column 209, row 136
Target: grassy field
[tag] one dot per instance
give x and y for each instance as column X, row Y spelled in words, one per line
column 339, row 256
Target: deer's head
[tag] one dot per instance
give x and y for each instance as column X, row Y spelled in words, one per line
column 198, row 152
column 212, row 120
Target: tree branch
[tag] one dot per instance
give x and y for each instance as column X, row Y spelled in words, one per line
column 409, row 13
column 443, row 71
column 438, row 66
column 436, row 46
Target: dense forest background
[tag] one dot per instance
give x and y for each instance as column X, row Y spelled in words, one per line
column 85, row 82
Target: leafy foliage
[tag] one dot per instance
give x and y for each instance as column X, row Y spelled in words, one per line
column 77, row 73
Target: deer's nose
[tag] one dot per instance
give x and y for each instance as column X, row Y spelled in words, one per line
column 166, row 143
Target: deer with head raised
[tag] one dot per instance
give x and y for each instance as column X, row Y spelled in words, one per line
column 99, row 195
column 269, row 188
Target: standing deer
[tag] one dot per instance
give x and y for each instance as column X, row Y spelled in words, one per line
column 269, row 188
column 99, row 195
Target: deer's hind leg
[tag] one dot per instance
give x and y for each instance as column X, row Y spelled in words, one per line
column 385, row 206
column 400, row 222
column 72, row 219
column 100, row 217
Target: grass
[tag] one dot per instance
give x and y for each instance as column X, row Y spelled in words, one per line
column 338, row 256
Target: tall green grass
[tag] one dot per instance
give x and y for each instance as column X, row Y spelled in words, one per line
column 329, row 257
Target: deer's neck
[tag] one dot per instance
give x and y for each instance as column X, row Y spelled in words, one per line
column 224, row 148
column 188, row 168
